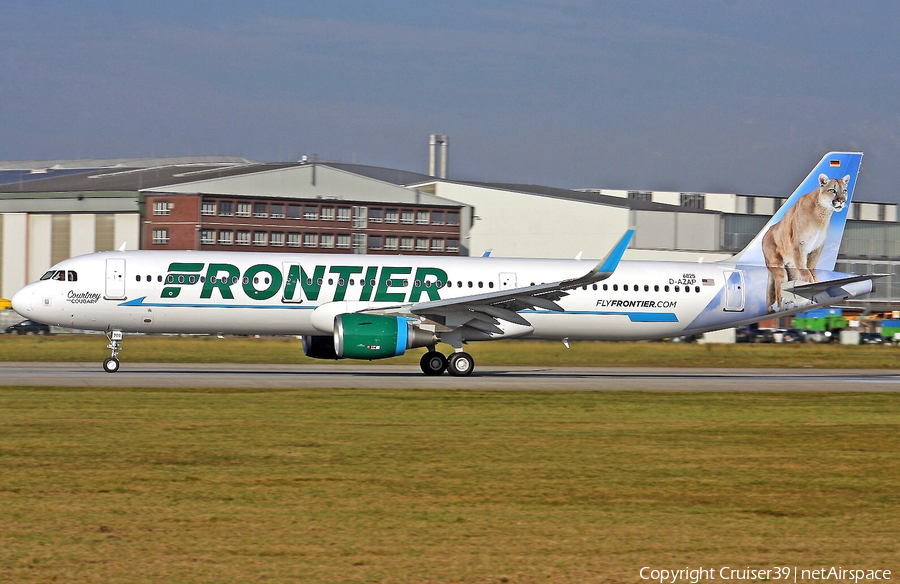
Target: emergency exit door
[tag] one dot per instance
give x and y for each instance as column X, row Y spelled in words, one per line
column 115, row 278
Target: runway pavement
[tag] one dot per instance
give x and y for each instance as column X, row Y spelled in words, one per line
column 364, row 375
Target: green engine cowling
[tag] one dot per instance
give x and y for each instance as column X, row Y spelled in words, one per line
column 374, row 336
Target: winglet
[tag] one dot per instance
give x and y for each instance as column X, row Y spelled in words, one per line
column 608, row 265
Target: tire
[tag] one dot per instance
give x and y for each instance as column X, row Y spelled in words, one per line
column 461, row 365
column 433, row 363
column 111, row 365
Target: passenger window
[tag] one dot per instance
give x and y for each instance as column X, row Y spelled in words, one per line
column 646, row 288
column 615, row 287
column 605, row 287
column 137, row 278
column 696, row 288
column 625, row 287
column 159, row 278
column 490, row 284
column 656, row 288
column 470, row 284
column 595, row 286
column 678, row 288
column 481, row 284
column 667, row 288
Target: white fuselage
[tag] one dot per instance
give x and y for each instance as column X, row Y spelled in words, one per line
column 254, row 293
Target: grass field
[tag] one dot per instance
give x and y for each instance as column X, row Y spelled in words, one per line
column 541, row 353
column 175, row 485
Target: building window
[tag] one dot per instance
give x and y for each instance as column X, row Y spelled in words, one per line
column 882, row 212
column 646, row 196
column 225, row 208
column 376, row 215
column 406, row 217
column 390, row 216
column 276, row 238
column 750, row 203
column 343, row 241
column 437, row 217
column 390, row 242
column 243, row 210
column 207, row 236
column 437, row 245
column 359, row 243
column 310, row 212
column 294, row 211
column 259, row 210
column 161, row 208
column 692, row 200
column 343, row 214
column 375, row 242
column 277, row 211
column 406, row 243
column 327, row 213
column 359, row 217
column 226, row 237
column 422, row 218
column 243, row 238
column 453, row 245
column 421, row 244
column 160, row 236
column 453, row 218
column 326, row 240
column 310, row 239
column 208, row 208
column 293, row 240
column 260, row 238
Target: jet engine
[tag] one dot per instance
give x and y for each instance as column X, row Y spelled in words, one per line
column 319, row 347
column 373, row 336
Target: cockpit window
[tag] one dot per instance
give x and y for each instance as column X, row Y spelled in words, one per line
column 59, row 275
column 73, row 277
column 48, row 275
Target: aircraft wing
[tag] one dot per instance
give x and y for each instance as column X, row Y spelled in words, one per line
column 483, row 311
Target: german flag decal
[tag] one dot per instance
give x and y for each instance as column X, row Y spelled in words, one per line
column 835, row 163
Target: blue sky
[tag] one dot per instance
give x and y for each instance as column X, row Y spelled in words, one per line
column 727, row 96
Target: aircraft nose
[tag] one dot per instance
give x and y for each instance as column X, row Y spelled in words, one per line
column 23, row 300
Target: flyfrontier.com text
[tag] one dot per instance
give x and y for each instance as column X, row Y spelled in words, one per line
column 782, row 573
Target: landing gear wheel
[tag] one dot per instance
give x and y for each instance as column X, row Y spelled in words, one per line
column 461, row 364
column 111, row 365
column 433, row 363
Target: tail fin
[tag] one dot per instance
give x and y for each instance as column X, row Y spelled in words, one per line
column 834, row 172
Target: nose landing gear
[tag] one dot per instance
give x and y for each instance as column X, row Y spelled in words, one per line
column 111, row 365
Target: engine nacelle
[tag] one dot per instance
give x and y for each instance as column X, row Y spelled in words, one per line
column 319, row 347
column 374, row 336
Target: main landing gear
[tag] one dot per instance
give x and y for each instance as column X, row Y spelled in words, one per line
column 111, row 365
column 459, row 365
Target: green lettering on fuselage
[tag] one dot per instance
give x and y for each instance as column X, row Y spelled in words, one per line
column 422, row 283
column 223, row 284
column 311, row 286
column 343, row 274
column 384, row 282
column 369, row 284
column 273, row 287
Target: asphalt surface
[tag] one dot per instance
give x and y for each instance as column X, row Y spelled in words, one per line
column 409, row 376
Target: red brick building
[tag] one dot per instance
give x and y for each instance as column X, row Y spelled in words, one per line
column 279, row 224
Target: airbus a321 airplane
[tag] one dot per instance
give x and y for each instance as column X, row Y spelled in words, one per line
column 374, row 307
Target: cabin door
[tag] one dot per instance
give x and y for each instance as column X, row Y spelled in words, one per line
column 115, row 278
column 734, row 291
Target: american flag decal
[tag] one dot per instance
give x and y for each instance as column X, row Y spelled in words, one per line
column 708, row 282
column 835, row 163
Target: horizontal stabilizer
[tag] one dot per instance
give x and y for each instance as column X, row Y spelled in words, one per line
column 811, row 289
